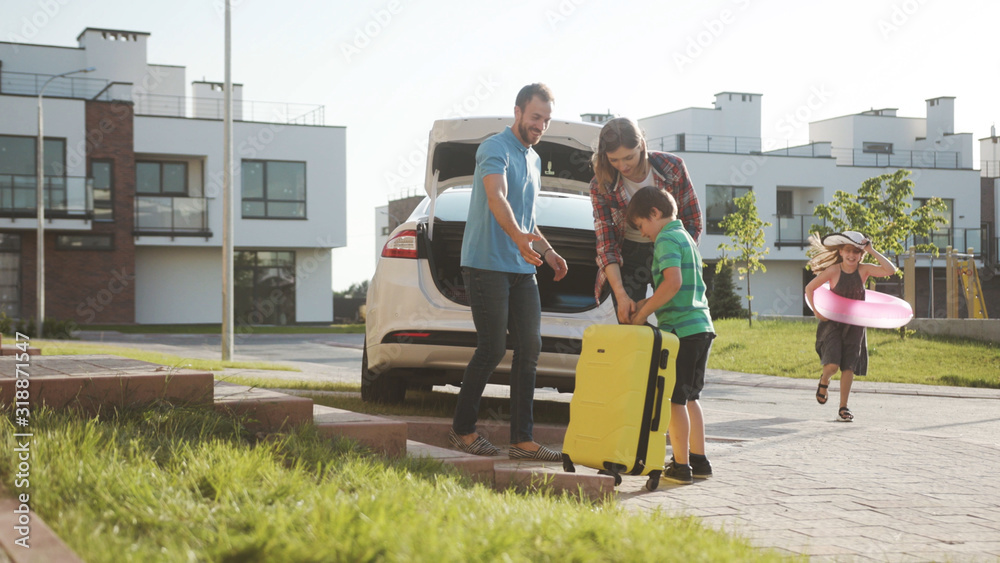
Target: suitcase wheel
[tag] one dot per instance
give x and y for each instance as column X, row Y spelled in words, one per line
column 568, row 466
column 618, row 478
column 654, row 481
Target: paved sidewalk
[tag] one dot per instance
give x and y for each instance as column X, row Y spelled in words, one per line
column 912, row 479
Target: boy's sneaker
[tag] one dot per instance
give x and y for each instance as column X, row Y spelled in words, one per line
column 701, row 468
column 677, row 473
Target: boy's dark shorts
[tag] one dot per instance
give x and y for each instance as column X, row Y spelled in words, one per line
column 691, row 361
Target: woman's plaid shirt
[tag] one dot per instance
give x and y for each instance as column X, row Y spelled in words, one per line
column 609, row 210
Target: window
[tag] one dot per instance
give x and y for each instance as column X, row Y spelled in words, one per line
column 274, row 189
column 161, row 178
column 720, row 203
column 877, row 148
column 100, row 172
column 940, row 236
column 18, row 177
column 85, row 242
column 264, row 287
column 10, row 274
column 784, row 203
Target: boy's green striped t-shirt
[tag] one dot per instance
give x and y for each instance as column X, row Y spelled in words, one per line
column 687, row 313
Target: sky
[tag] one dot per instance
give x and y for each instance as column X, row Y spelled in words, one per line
column 386, row 69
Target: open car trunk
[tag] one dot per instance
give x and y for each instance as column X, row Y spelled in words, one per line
column 574, row 293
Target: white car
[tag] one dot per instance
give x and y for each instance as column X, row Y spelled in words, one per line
column 419, row 330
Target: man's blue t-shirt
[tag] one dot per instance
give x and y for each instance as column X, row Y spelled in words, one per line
column 485, row 245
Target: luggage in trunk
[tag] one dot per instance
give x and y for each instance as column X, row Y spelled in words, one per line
column 618, row 417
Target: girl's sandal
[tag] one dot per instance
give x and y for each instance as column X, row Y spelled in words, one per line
column 845, row 415
column 821, row 397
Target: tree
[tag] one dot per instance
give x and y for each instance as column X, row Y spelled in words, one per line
column 881, row 210
column 357, row 289
column 722, row 299
column 745, row 229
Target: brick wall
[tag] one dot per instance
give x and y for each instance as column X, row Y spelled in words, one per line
column 93, row 286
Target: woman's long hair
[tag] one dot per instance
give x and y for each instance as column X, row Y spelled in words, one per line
column 821, row 256
column 616, row 133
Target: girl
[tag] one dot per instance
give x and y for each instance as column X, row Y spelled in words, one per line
column 837, row 259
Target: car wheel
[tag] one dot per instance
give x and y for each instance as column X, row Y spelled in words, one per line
column 382, row 388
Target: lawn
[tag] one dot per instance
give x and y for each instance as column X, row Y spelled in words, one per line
column 73, row 347
column 787, row 349
column 173, row 484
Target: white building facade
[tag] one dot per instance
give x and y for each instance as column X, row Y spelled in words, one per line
column 143, row 158
column 726, row 158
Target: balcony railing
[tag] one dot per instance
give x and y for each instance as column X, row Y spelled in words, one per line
column 65, row 196
column 793, row 230
column 243, row 110
column 959, row 238
column 171, row 216
column 29, row 84
column 989, row 168
column 686, row 142
column 899, row 159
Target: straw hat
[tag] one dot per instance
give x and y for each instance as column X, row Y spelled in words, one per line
column 847, row 237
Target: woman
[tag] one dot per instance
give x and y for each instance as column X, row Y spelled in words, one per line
column 623, row 166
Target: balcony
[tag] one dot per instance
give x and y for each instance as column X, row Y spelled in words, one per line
column 899, row 159
column 243, row 110
column 171, row 216
column 961, row 239
column 66, row 197
column 29, row 84
column 793, row 230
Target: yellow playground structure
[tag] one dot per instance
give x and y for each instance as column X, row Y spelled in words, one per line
column 961, row 269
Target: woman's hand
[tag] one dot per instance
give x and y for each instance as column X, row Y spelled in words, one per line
column 626, row 308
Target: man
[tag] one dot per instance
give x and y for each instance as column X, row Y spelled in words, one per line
column 500, row 250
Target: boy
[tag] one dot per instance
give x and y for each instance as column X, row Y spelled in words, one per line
column 681, row 308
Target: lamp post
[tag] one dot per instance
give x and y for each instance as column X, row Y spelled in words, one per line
column 40, row 200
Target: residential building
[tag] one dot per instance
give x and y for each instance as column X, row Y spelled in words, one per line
column 726, row 157
column 133, row 180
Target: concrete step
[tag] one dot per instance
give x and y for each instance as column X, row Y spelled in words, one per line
column 263, row 410
column 97, row 382
column 382, row 435
column 502, row 473
column 13, row 350
column 434, row 431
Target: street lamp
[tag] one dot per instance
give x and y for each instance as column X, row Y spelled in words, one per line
column 40, row 199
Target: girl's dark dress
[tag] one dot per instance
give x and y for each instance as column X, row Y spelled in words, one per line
column 843, row 344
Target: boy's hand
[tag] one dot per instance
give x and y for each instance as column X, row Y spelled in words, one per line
column 637, row 317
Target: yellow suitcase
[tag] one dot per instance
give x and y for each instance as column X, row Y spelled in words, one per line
column 620, row 410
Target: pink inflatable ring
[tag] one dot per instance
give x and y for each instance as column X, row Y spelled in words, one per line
column 878, row 310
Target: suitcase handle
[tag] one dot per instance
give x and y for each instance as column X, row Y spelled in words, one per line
column 661, row 384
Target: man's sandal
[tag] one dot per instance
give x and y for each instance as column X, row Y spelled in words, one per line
column 821, row 397
column 845, row 415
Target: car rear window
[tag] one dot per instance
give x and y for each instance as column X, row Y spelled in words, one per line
column 551, row 210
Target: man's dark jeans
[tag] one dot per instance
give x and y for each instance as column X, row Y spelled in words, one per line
column 502, row 302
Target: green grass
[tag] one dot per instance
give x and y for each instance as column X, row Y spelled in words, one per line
column 172, row 484
column 788, row 349
column 217, row 329
column 65, row 347
column 298, row 384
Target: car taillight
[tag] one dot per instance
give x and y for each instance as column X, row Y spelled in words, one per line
column 403, row 245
